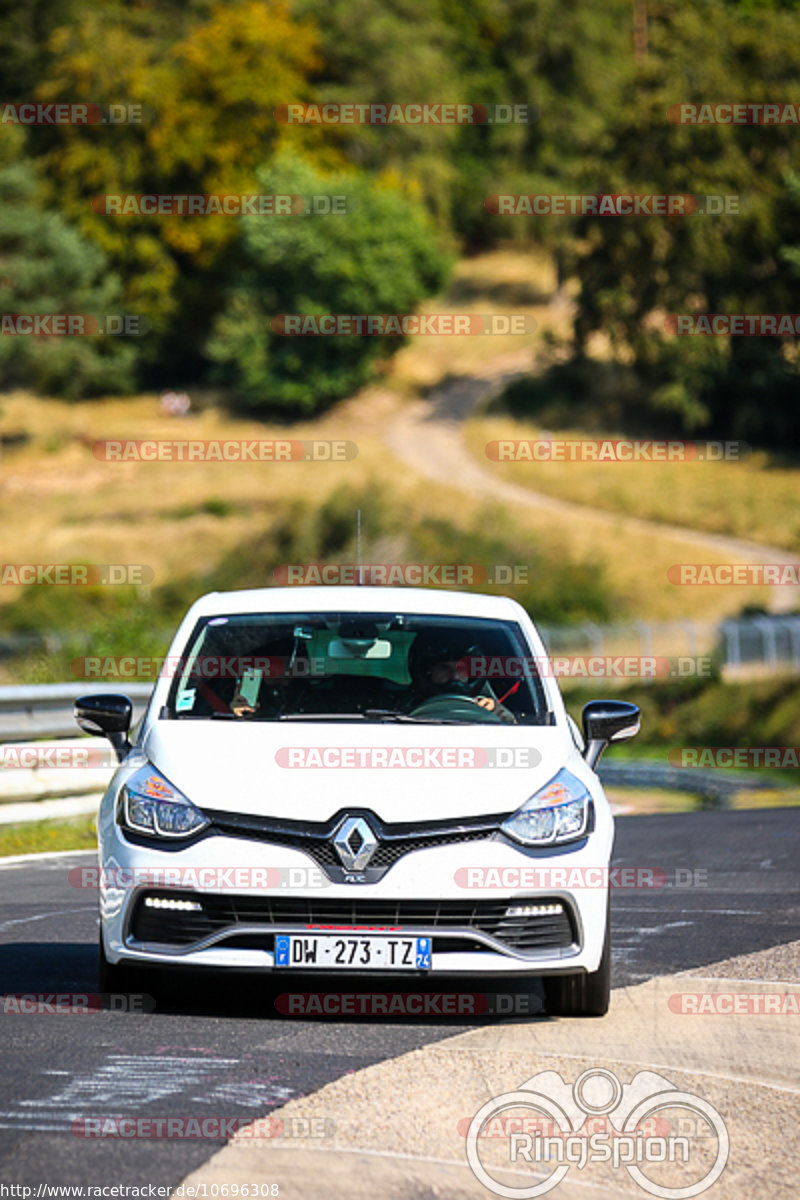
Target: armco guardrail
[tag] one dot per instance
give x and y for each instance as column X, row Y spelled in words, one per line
column 44, row 710
column 715, row 787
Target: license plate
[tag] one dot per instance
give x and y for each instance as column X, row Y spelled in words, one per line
column 348, row 952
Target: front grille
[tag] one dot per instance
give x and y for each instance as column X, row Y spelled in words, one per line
column 387, row 853
column 523, row 934
column 316, row 838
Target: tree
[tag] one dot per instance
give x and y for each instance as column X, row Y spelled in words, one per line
column 48, row 268
column 635, row 271
column 207, row 77
column 380, row 256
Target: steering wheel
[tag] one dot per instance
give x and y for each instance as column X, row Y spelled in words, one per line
column 454, row 706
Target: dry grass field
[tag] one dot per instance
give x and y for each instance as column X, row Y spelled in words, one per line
column 59, row 503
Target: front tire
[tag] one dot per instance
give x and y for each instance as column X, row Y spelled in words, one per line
column 586, row 995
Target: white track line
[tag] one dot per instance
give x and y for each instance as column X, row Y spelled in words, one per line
column 13, row 860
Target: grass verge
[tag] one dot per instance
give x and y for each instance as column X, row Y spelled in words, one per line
column 754, row 499
column 37, row 837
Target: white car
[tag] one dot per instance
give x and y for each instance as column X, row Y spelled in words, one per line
column 368, row 782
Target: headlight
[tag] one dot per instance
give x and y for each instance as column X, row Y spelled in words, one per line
column 151, row 805
column 558, row 812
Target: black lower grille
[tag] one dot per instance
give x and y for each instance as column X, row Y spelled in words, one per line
column 315, row 839
column 523, row 933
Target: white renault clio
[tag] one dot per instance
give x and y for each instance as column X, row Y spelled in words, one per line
column 368, row 781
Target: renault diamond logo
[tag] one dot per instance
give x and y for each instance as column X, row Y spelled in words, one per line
column 355, row 843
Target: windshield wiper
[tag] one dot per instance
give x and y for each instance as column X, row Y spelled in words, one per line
column 321, row 717
column 387, row 714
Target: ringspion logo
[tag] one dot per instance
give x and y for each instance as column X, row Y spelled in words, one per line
column 549, row 1125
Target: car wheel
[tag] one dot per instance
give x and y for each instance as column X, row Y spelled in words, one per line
column 585, row 995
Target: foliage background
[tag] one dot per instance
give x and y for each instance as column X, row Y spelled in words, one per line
column 209, row 77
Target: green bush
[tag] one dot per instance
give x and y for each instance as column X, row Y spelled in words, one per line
column 699, row 712
column 380, row 256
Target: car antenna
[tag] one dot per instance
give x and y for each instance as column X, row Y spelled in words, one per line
column 358, row 542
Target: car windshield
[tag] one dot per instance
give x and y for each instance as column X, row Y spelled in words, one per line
column 359, row 667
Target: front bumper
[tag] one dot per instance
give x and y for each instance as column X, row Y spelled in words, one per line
column 425, row 893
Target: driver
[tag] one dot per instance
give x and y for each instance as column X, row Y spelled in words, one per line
column 439, row 666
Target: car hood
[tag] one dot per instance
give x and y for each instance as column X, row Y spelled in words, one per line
column 307, row 771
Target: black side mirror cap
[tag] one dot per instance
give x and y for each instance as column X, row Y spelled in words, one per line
column 107, row 714
column 607, row 721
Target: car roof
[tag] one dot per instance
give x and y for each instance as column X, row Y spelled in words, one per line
column 433, row 601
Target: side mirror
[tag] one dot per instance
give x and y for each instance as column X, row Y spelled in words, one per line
column 109, row 715
column 607, row 721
